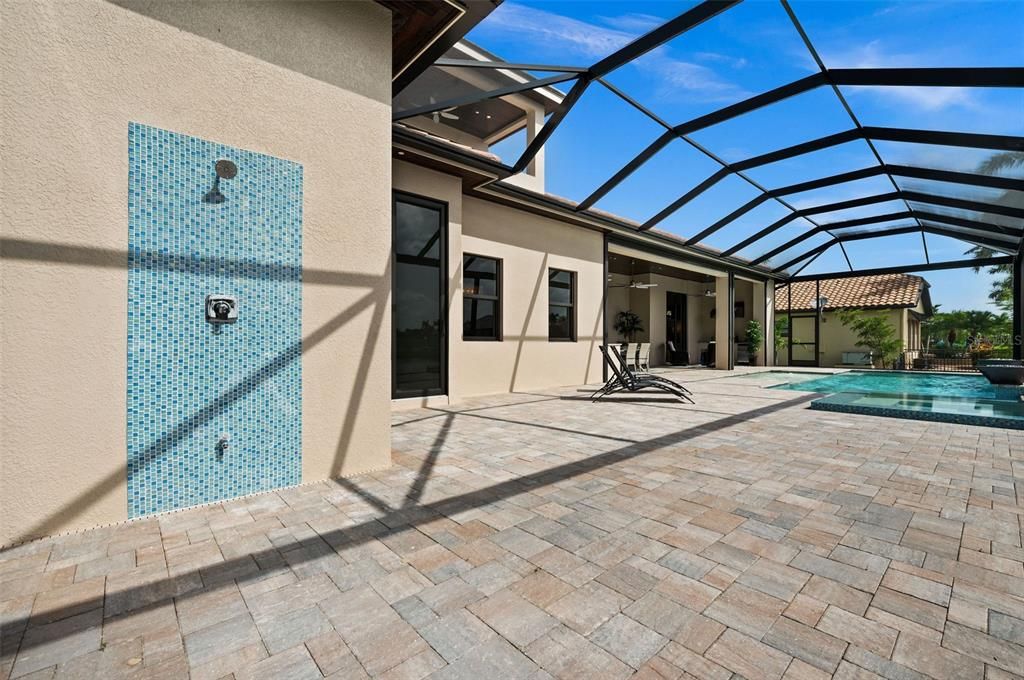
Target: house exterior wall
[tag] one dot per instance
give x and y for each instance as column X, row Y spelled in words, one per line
column 525, row 359
column 527, row 245
column 307, row 82
column 834, row 338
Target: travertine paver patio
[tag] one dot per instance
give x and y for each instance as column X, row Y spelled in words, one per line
column 540, row 535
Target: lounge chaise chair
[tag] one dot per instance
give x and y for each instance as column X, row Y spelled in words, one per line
column 624, row 379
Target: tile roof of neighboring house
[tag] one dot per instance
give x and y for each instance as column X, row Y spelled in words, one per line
column 878, row 292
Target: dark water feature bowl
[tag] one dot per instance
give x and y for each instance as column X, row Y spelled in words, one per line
column 1002, row 371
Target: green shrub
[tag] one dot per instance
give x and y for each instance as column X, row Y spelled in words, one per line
column 874, row 333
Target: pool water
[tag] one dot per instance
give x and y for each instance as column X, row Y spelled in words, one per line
column 891, row 383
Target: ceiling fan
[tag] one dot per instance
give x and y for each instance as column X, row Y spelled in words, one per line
column 708, row 290
column 632, row 283
column 444, row 113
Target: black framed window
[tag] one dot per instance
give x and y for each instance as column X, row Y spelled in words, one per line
column 561, row 305
column 481, row 298
column 419, row 352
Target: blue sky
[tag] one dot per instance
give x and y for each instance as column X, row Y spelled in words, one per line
column 747, row 50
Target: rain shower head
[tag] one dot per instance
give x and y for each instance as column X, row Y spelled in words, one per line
column 225, row 169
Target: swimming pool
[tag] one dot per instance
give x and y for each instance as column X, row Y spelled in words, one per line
column 962, row 399
column 890, row 382
column 960, row 410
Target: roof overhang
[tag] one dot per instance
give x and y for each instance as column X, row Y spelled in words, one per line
column 423, row 30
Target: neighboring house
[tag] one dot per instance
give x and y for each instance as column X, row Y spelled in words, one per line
column 901, row 298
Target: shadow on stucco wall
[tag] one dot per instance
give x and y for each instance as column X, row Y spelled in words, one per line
column 376, row 299
column 320, row 39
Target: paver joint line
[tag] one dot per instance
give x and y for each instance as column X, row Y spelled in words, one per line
column 527, row 534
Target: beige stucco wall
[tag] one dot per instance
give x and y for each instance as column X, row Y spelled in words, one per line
column 525, row 360
column 304, row 81
column 834, row 338
column 527, row 245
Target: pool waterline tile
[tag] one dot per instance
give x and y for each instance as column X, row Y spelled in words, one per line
column 961, row 410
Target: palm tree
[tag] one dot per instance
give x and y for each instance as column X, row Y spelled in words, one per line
column 1001, row 162
column 1001, row 293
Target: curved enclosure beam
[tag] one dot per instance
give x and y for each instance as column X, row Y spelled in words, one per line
column 966, row 178
column 942, row 138
column 956, row 177
column 642, row 45
column 878, row 77
column 813, row 252
column 581, row 78
column 561, row 111
column 1002, row 246
column 713, row 118
column 968, row 224
column 1006, row 246
column 992, row 229
column 934, row 266
column 828, row 207
column 670, row 30
column 964, row 204
column 914, row 196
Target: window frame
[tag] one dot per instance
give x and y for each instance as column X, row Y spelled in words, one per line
column 499, row 268
column 573, row 285
column 399, row 196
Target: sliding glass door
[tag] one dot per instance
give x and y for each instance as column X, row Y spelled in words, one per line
column 803, row 341
column 419, row 297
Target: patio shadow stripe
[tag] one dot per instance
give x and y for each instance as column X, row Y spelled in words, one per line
column 391, row 523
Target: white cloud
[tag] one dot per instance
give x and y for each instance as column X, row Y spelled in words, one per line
column 634, row 23
column 698, row 81
column 873, row 55
column 589, row 42
column 735, row 62
column 910, row 9
column 538, row 26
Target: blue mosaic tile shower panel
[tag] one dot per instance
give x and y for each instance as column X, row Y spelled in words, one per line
column 190, row 381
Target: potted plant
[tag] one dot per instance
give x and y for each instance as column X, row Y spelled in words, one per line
column 781, row 336
column 755, row 336
column 628, row 324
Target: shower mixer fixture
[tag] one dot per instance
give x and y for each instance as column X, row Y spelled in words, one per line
column 221, row 308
